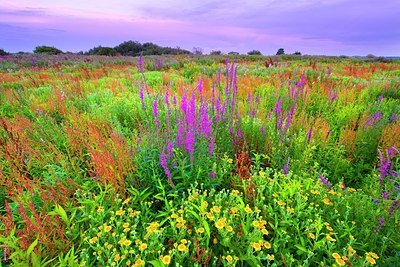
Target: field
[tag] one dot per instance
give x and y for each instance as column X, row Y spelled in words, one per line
column 199, row 161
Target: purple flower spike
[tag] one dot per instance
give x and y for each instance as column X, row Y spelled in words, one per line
column 325, row 181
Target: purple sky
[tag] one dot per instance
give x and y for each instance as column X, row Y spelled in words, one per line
column 316, row 27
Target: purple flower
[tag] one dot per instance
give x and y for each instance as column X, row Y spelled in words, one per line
column 140, row 64
column 286, row 168
column 164, row 165
column 205, row 123
column 376, row 116
column 381, row 224
column 385, row 195
column 325, row 181
column 212, row 175
column 170, row 147
column 278, row 107
column 262, row 129
column 211, row 147
column 141, row 96
column 309, row 135
column 189, row 143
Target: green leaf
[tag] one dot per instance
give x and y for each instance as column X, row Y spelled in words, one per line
column 157, row 263
column 31, row 247
column 301, row 249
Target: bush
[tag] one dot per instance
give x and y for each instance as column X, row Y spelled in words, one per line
column 49, row 50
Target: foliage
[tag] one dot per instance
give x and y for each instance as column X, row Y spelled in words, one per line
column 254, row 52
column 198, row 160
column 102, row 51
column 3, row 53
column 281, row 51
column 48, row 50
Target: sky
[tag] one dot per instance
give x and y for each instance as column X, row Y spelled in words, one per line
column 313, row 27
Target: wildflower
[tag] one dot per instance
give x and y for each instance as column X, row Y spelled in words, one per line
column 315, row 192
column 139, row 262
column 229, row 160
column 327, row 202
column 267, row 245
column 142, row 246
column 370, row 260
column 221, row 223
column 256, row 246
column 126, row 201
column 270, row 257
column 166, row 259
column 120, row 212
column 117, row 257
column 247, row 209
column 311, row 235
column 329, row 228
column 107, row 228
column 290, row 209
column 351, row 250
column 200, row 230
column 125, row 225
column 325, row 181
column 216, row 209
column 234, row 210
column 100, row 209
column 109, row 246
column 373, row 255
column 340, row 261
column 229, row 258
column 126, row 242
column 229, row 228
column 182, row 248
column 329, row 238
column 93, row 240
column 256, row 224
column 264, row 231
column 336, row 255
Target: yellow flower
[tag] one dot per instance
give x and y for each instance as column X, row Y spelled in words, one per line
column 235, row 192
column 290, row 209
column 229, row 160
column 270, row 257
column 120, row 212
column 166, row 259
column 256, row 246
column 345, row 258
column 200, row 230
column 229, row 228
column 182, row 248
column 234, row 210
column 100, row 209
column 351, row 250
column 311, row 235
column 256, row 223
column 340, row 261
column 329, row 228
column 107, row 228
column 329, row 238
column 109, row 246
column 125, row 225
column 315, row 192
column 267, row 245
column 370, row 260
column 373, row 255
column 127, row 230
column 93, row 240
column 265, row 231
column 126, row 242
column 215, row 241
column 262, row 174
column 132, row 214
column 139, row 262
column 229, row 258
column 336, row 255
column 247, row 209
column 280, row 203
column 117, row 257
column 327, row 202
column 220, row 223
column 216, row 209
column 142, row 246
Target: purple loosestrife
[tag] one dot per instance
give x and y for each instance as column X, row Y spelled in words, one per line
column 170, row 149
column 212, row 175
column 205, row 123
column 324, row 181
column 190, row 143
column 180, row 137
column 262, row 129
column 309, row 135
column 381, row 224
column 141, row 96
column 286, row 167
column 211, row 147
column 155, row 113
column 140, row 63
column 164, row 165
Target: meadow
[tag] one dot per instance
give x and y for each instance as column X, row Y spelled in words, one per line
column 199, row 161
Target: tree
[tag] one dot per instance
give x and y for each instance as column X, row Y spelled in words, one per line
column 197, row 50
column 297, row 53
column 102, row 51
column 233, row 53
column 48, row 50
column 281, row 51
column 3, row 53
column 254, row 53
column 129, row 48
column 218, row 52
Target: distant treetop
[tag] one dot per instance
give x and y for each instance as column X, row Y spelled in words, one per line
column 49, row 50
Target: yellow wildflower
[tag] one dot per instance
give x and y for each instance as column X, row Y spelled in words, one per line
column 270, row 257
column 229, row 160
column 351, row 250
column 200, row 230
column 166, row 259
column 329, row 238
column 229, row 228
column 340, row 261
column 216, row 209
column 373, row 255
column 267, row 245
column 256, row 246
column 329, row 228
column 290, row 209
column 221, row 223
column 229, row 258
column 336, row 255
column 142, row 246
column 117, row 257
column 120, row 212
column 370, row 260
column 125, row 225
column 256, row 224
column 93, row 240
column 182, row 248
column 126, row 242
column 234, row 210
column 311, row 235
column 247, row 209
column 100, row 209
column 327, row 202
column 264, row 231
column 109, row 246
column 107, row 228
